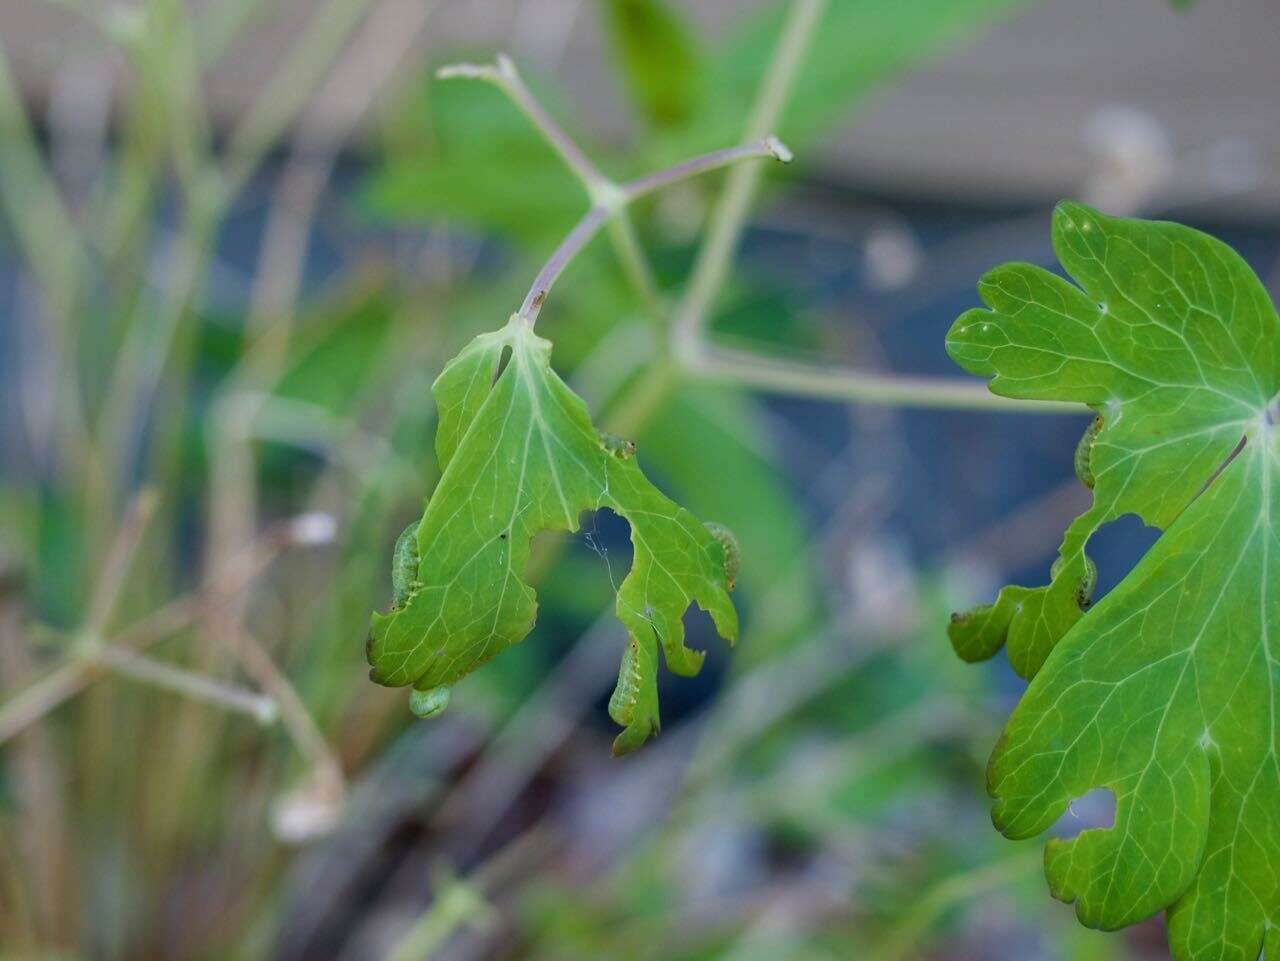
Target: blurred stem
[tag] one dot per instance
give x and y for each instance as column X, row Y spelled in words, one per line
column 41, row 222
column 298, row 722
column 703, row 358
column 460, row 902
column 220, row 24
column 728, row 219
column 197, row 687
column 636, row 267
column 903, row 938
column 369, row 61
column 290, row 88
column 830, row 382
column 456, row 904
column 70, row 677
column 118, row 562
column 51, row 247
column 73, row 674
column 337, row 107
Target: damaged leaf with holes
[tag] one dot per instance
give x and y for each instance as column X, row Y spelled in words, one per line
column 1166, row 692
column 518, row 455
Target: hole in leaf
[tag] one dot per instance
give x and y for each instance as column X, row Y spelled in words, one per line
column 503, row 359
column 1116, row 548
column 607, row 536
column 604, row 543
column 1097, row 809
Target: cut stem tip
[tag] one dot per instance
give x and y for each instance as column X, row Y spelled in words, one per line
column 780, row 151
column 469, row 71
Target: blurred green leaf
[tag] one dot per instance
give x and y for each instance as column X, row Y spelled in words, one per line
column 658, row 59
column 467, row 153
column 60, row 589
column 707, row 443
column 340, row 348
column 858, row 46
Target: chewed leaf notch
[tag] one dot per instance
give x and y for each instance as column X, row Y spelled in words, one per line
column 519, row 455
column 1166, row 692
column 1149, row 341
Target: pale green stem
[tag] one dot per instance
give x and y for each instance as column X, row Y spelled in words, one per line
column 40, row 220
column 715, row 257
column 689, row 343
column 189, row 684
column 504, row 75
column 829, row 382
column 622, row 233
column 50, row 245
column 611, row 199
column 457, row 906
column 74, row 674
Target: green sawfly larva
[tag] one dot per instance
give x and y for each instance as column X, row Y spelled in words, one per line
column 732, row 552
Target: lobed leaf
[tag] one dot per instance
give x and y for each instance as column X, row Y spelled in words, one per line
column 1165, row 693
column 1168, row 337
column 519, row 455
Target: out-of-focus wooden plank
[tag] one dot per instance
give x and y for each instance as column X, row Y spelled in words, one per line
column 1003, row 118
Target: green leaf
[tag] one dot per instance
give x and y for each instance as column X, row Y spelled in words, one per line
column 1169, row 341
column 1165, row 693
column 519, row 455
column 658, row 58
column 706, row 434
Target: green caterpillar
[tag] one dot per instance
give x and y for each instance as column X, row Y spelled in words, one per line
column 617, row 446
column 732, row 552
column 430, row 702
column 404, row 579
column 1084, row 452
column 1084, row 593
column 404, row 565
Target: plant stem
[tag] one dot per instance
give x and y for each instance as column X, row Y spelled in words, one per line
column 730, row 215
column 51, row 246
column 626, row 244
column 689, row 343
column 569, row 247
column 690, row 349
column 612, row 199
column 187, row 683
column 504, row 75
column 117, row 563
column 74, row 674
column 829, row 382
column 297, row 720
column 766, row 147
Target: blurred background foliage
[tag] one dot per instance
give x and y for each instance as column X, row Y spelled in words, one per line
column 215, row 362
